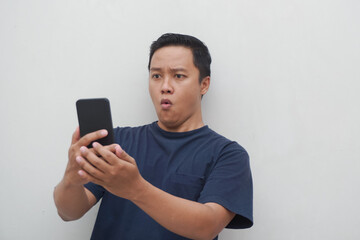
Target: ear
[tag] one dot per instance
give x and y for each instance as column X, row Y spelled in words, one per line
column 204, row 85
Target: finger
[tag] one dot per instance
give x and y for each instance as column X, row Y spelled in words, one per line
column 120, row 153
column 112, row 147
column 94, row 160
column 75, row 136
column 105, row 153
column 84, row 175
column 88, row 168
column 90, row 137
column 109, row 147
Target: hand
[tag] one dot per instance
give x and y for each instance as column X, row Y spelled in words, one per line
column 116, row 171
column 71, row 173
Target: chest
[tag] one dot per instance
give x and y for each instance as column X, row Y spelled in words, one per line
column 177, row 167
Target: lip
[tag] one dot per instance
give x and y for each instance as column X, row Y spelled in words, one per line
column 165, row 103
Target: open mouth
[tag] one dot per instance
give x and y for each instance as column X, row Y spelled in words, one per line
column 166, row 103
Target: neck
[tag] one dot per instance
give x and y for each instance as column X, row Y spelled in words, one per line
column 181, row 128
column 193, row 122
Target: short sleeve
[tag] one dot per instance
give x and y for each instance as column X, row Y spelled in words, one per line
column 230, row 185
column 95, row 189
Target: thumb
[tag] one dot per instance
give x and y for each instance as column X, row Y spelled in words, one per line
column 75, row 136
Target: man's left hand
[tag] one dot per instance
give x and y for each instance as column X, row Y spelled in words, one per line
column 116, row 171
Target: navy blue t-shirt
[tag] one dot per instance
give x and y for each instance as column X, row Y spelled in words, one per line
column 198, row 165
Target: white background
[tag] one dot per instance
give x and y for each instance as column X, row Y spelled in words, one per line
column 285, row 85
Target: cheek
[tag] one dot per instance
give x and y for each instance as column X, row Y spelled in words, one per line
column 152, row 91
column 154, row 96
column 191, row 96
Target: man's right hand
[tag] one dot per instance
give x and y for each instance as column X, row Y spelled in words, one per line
column 71, row 176
column 71, row 198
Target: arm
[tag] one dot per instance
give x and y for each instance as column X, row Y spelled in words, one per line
column 71, row 198
column 120, row 176
column 72, row 201
column 187, row 218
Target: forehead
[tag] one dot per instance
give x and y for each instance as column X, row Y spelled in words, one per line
column 172, row 56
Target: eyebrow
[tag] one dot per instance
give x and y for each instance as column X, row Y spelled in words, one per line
column 155, row 69
column 171, row 69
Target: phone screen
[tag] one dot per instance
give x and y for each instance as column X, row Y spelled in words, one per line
column 94, row 114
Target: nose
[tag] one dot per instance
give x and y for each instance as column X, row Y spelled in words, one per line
column 166, row 87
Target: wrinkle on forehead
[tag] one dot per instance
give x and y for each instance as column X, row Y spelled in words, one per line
column 172, row 58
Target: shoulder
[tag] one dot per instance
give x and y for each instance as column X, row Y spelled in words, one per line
column 225, row 145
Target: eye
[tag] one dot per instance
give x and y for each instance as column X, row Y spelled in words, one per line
column 179, row 76
column 156, row 76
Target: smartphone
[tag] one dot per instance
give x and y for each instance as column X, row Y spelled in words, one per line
column 94, row 114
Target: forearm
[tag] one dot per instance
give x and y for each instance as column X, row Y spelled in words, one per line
column 71, row 201
column 184, row 217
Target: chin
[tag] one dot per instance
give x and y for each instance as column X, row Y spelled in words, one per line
column 169, row 123
column 166, row 118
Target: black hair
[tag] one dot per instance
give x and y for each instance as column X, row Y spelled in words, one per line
column 201, row 54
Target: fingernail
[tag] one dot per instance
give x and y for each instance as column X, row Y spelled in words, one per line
column 95, row 144
column 81, row 173
column 118, row 148
column 83, row 149
column 78, row 159
column 104, row 132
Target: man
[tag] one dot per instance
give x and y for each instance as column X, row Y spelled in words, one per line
column 178, row 179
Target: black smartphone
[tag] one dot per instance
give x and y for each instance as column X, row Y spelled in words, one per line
column 95, row 114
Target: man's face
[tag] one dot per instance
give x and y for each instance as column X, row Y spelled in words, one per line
column 175, row 89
